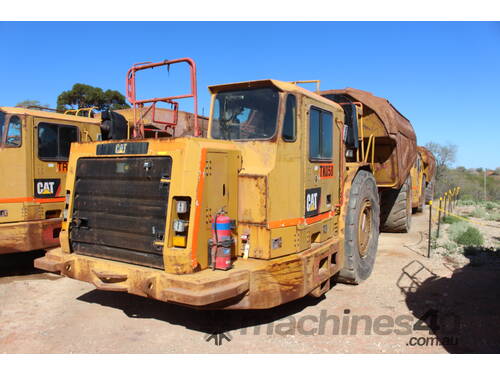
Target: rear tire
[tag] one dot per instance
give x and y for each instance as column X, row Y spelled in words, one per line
column 361, row 229
column 396, row 209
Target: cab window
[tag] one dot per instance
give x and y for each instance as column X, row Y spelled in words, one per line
column 248, row 114
column 13, row 138
column 54, row 140
column 289, row 123
column 320, row 134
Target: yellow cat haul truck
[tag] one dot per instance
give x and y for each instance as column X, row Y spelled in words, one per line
column 265, row 210
column 422, row 177
column 429, row 171
column 34, row 149
column 387, row 140
column 418, row 184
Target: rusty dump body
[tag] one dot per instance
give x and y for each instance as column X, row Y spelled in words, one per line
column 140, row 212
column 394, row 136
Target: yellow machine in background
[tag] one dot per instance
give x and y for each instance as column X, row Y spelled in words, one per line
column 418, row 184
column 422, row 177
column 34, row 151
column 429, row 171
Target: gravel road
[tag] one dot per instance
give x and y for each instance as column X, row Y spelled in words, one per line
column 459, row 306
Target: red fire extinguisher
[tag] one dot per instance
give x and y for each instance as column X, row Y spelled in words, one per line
column 221, row 241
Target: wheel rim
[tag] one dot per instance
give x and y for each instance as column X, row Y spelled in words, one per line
column 364, row 228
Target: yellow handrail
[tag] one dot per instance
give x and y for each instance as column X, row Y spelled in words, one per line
column 76, row 112
column 316, row 81
column 371, row 144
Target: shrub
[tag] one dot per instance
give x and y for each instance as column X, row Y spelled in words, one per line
column 495, row 216
column 489, row 205
column 450, row 247
column 456, row 229
column 450, row 220
column 466, row 202
column 479, row 212
column 471, row 237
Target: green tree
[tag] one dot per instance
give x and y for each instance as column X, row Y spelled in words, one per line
column 85, row 96
column 445, row 156
column 31, row 103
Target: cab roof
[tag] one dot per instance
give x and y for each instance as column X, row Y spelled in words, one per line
column 280, row 85
column 50, row 115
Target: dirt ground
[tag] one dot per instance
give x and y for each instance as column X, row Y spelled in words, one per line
column 410, row 304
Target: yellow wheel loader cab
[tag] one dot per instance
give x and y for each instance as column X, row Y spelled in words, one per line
column 143, row 215
column 34, row 150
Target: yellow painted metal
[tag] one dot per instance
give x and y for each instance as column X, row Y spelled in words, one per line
column 417, row 182
column 30, row 221
column 76, row 112
column 260, row 184
column 179, row 241
column 316, row 81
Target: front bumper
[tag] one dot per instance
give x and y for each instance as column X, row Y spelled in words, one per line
column 199, row 289
column 29, row 235
column 250, row 284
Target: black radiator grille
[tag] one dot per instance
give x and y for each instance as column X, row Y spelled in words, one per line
column 120, row 208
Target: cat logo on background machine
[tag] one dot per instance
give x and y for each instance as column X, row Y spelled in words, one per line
column 47, row 188
column 312, row 201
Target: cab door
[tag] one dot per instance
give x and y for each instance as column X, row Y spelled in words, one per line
column 321, row 169
column 51, row 141
column 14, row 167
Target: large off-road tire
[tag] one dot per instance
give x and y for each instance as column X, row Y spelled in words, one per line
column 421, row 201
column 362, row 223
column 429, row 192
column 395, row 208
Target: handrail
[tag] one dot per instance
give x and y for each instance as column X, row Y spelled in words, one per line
column 40, row 107
column 371, row 143
column 317, row 81
column 172, row 100
column 77, row 111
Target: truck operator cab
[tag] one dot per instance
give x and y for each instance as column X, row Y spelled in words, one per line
column 34, row 150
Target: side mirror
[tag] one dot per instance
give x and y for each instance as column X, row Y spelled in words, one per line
column 351, row 119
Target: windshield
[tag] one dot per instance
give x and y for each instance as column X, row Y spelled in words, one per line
column 245, row 114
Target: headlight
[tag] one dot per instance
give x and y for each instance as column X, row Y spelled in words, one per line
column 180, row 225
column 182, row 207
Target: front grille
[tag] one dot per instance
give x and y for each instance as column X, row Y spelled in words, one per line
column 120, row 207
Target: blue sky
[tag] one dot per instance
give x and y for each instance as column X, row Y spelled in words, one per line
column 443, row 76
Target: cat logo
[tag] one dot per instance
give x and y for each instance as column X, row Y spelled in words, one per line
column 46, row 188
column 120, row 148
column 312, row 201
